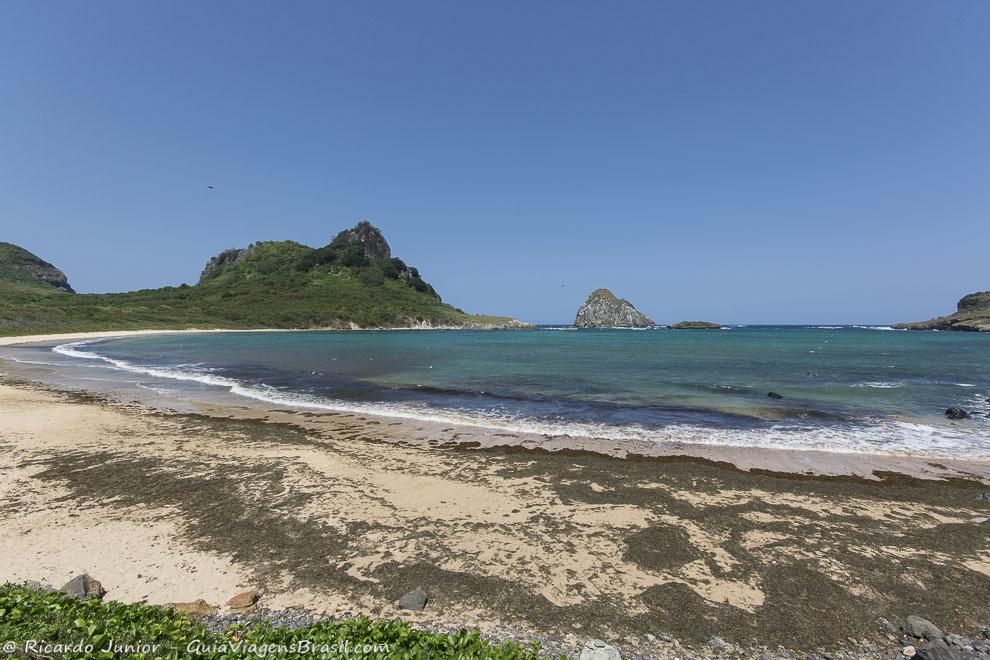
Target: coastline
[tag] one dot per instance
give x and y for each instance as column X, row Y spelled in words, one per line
column 426, row 432
column 16, row 340
column 342, row 514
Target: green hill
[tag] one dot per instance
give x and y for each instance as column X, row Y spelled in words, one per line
column 972, row 314
column 18, row 266
column 352, row 282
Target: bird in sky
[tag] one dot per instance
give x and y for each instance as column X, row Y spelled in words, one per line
column 210, row 187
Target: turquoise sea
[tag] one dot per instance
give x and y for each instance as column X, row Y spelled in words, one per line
column 844, row 388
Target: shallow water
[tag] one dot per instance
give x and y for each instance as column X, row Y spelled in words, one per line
column 844, row 388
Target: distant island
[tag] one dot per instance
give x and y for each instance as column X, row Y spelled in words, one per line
column 603, row 309
column 972, row 315
column 353, row 282
column 696, row 325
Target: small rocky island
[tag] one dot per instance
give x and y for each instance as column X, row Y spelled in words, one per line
column 603, row 309
column 696, row 325
column 972, row 314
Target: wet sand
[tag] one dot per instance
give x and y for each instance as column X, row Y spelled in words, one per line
column 342, row 513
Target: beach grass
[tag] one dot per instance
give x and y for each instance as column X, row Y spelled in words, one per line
column 90, row 628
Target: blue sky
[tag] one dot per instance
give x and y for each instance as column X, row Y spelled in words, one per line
column 779, row 162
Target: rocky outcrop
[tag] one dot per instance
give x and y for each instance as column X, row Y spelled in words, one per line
column 972, row 314
column 20, row 266
column 223, row 261
column 414, row 601
column 244, row 601
column 369, row 237
column 83, row 586
column 920, row 628
column 198, row 607
column 603, row 309
column 696, row 325
column 956, row 413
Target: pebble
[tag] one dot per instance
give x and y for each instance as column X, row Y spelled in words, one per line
column 974, row 644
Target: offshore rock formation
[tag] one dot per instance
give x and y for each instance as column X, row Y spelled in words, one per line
column 603, row 309
column 19, row 266
column 972, row 314
column 696, row 325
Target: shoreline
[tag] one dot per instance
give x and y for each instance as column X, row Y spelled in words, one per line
column 425, row 431
column 16, row 340
column 513, row 540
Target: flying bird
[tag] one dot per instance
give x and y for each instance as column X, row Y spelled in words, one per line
column 210, row 187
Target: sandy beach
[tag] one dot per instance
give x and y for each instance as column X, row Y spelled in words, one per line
column 341, row 513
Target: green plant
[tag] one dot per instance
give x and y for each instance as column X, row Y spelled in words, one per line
column 269, row 285
column 94, row 629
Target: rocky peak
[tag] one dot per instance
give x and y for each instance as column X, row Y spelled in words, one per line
column 603, row 309
column 222, row 261
column 369, row 237
column 979, row 300
column 19, row 265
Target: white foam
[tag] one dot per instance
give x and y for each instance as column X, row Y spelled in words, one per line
column 879, row 385
column 884, row 437
column 877, row 327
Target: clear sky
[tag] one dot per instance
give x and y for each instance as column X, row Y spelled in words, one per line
column 746, row 162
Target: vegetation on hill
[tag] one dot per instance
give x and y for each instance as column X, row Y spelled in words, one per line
column 82, row 628
column 972, row 314
column 696, row 325
column 18, row 266
column 353, row 281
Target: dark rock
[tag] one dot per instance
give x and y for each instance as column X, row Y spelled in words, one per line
column 716, row 642
column 603, row 309
column 939, row 650
column 958, row 640
column 415, row 600
column 774, row 395
column 375, row 246
column 956, row 413
column 83, row 586
column 887, row 626
column 920, row 628
column 984, row 497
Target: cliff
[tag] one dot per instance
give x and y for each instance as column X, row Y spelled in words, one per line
column 20, row 267
column 603, row 309
column 972, row 314
column 353, row 282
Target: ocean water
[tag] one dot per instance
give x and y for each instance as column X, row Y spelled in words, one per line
column 845, row 389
